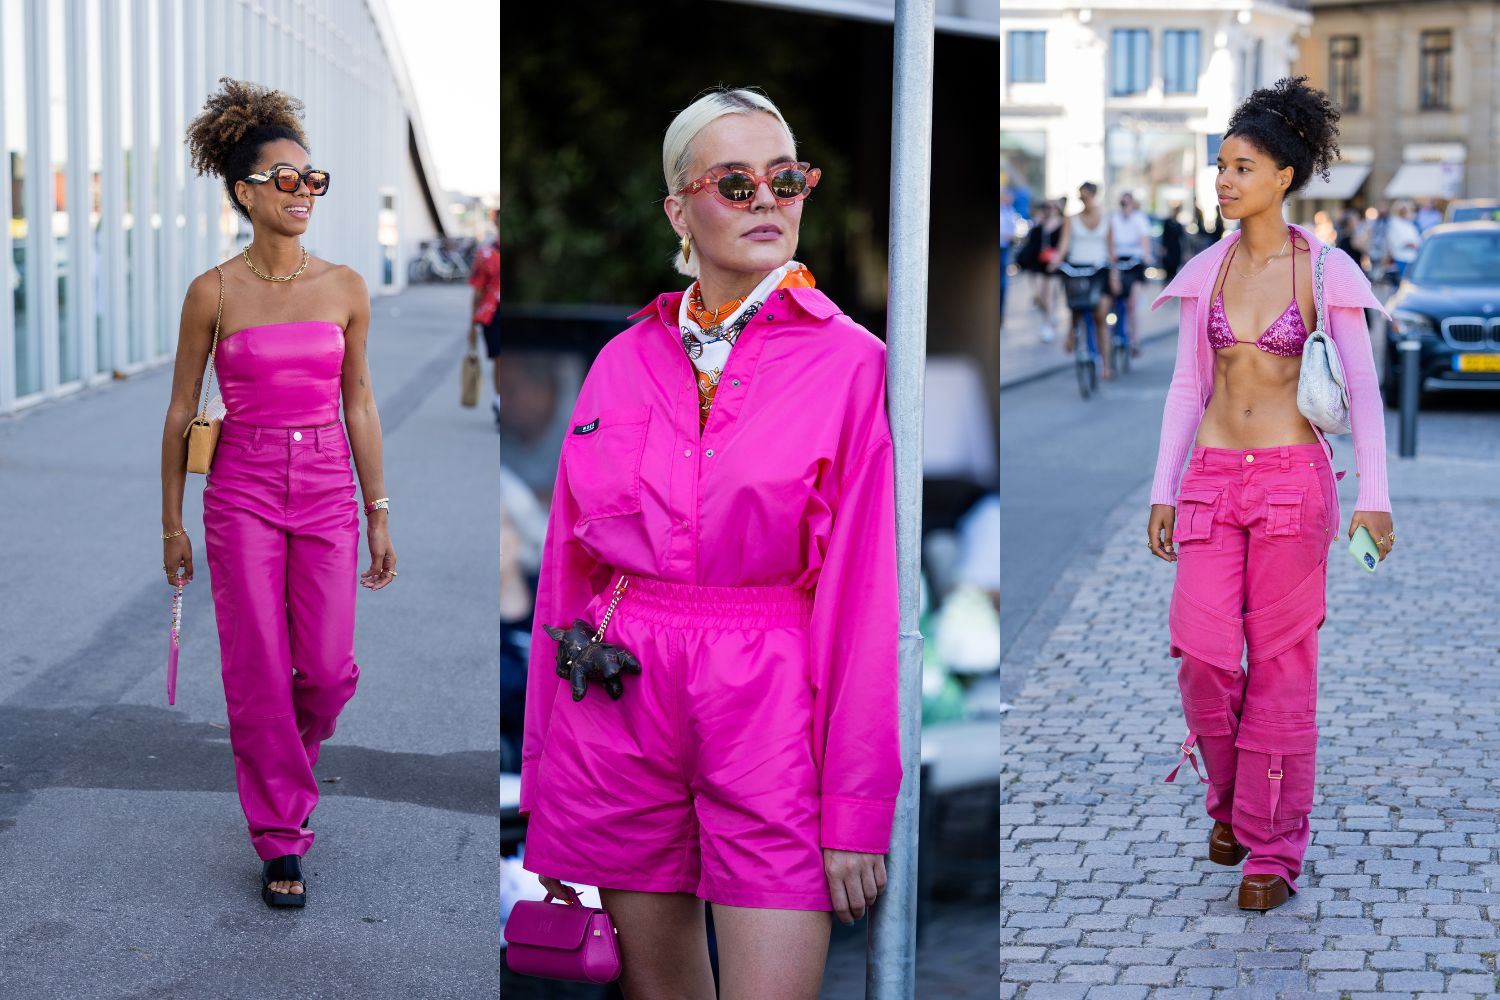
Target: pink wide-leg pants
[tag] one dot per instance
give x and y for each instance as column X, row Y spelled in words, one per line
column 282, row 530
column 1253, row 531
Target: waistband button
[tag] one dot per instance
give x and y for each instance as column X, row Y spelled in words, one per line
column 1249, row 458
column 296, row 435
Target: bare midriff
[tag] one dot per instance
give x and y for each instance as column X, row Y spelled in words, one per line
column 1254, row 402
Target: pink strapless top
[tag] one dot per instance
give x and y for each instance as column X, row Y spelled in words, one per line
column 282, row 374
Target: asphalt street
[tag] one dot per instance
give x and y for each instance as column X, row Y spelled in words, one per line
column 127, row 869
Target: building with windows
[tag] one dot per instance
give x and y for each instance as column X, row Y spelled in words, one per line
column 1133, row 95
column 107, row 223
column 1417, row 83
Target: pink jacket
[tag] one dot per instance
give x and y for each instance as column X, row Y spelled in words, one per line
column 1346, row 295
column 791, row 484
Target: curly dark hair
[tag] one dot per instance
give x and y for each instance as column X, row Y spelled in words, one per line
column 236, row 121
column 1294, row 124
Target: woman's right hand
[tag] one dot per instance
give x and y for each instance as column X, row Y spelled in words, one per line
column 177, row 551
column 1159, row 531
column 559, row 889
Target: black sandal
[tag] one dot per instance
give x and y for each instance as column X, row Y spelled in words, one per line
column 287, row 868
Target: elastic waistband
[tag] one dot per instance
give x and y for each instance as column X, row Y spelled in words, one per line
column 681, row 604
column 234, row 431
column 1282, row 456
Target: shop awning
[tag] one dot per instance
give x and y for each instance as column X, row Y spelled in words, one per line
column 1343, row 180
column 1426, row 180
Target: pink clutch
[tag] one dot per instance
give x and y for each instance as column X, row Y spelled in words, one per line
column 567, row 941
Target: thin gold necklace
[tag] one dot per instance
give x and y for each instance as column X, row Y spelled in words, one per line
column 272, row 277
column 1267, row 264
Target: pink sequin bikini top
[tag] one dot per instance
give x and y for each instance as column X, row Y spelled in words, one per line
column 1286, row 334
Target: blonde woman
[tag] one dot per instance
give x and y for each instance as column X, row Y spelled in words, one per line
column 727, row 489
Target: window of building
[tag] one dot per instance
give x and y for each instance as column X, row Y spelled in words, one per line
column 1437, row 70
column 1343, row 72
column 1028, row 57
column 1179, row 61
column 1130, row 61
column 1260, row 63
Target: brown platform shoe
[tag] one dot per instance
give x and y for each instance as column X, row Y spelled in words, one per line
column 1263, row 892
column 1223, row 849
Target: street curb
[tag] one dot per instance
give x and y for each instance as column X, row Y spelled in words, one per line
column 1067, row 363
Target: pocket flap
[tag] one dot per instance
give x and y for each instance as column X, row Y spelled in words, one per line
column 1267, row 734
column 1284, row 497
column 1209, row 717
column 547, row 925
column 1199, row 496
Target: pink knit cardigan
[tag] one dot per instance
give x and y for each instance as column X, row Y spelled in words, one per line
column 1346, row 295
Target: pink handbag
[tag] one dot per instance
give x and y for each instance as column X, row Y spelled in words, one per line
column 567, row 941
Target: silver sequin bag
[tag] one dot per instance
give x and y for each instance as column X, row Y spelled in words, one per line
column 1322, row 393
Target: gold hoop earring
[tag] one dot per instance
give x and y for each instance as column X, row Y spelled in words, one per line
column 687, row 247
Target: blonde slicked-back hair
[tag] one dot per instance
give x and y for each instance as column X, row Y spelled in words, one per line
column 677, row 145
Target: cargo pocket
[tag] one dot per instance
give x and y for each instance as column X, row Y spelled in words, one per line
column 1284, row 513
column 603, row 457
column 1195, row 517
column 1277, row 769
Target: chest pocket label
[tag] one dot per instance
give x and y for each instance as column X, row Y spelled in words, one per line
column 603, row 462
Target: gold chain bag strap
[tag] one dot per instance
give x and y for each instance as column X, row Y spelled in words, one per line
column 202, row 434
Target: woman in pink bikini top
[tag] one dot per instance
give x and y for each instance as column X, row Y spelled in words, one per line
column 1286, row 334
column 1249, row 523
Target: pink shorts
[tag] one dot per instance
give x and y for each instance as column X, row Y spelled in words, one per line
column 701, row 777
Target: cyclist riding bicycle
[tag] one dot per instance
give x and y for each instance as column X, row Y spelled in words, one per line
column 1129, row 249
column 1085, row 242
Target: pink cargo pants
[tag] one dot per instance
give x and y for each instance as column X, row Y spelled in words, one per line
column 1253, row 530
column 701, row 778
column 281, row 527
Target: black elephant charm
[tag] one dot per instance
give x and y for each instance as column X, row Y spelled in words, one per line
column 580, row 657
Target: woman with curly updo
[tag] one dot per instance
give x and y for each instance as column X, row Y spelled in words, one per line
column 285, row 333
column 1257, row 507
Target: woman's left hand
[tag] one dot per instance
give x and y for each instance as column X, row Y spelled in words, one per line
column 854, row 880
column 1379, row 524
column 382, row 557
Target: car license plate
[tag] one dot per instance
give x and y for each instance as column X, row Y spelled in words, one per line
column 1476, row 362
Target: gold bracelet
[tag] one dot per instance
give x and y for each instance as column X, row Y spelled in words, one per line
column 179, row 531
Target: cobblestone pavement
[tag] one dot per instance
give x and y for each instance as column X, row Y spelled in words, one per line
column 1107, row 893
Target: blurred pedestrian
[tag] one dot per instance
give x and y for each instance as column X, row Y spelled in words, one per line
column 1036, row 253
column 1347, row 224
column 1007, row 238
column 1257, row 506
column 1402, row 239
column 1428, row 216
column 752, row 759
column 485, row 309
column 280, row 521
column 1172, row 238
column 1129, row 252
column 1085, row 243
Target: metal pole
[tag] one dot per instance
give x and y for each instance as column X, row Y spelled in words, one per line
column 890, row 971
column 1411, row 391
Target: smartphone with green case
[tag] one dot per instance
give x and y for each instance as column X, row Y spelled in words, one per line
column 1363, row 548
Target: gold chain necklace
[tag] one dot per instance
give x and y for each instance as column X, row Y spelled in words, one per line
column 1267, row 264
column 272, row 277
